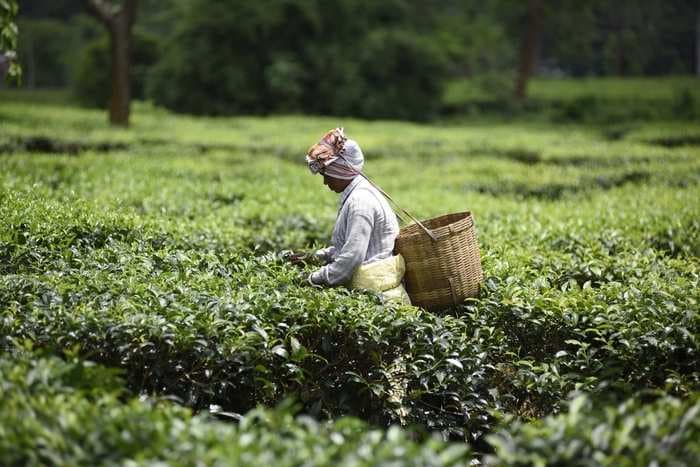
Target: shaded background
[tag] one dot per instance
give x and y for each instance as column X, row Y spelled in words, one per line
column 401, row 59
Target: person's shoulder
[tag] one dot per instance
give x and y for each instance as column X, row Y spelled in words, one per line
column 363, row 193
column 363, row 199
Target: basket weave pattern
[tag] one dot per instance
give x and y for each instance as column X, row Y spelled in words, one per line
column 441, row 273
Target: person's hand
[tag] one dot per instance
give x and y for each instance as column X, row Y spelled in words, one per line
column 304, row 279
column 303, row 259
column 297, row 259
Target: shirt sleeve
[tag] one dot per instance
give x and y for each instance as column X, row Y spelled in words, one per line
column 352, row 253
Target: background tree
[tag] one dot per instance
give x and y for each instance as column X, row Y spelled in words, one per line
column 41, row 53
column 232, row 57
column 697, row 41
column 91, row 79
column 529, row 46
column 119, row 20
column 571, row 43
column 360, row 58
column 8, row 40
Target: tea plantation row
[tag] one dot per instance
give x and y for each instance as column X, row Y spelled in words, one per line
column 74, row 412
column 216, row 322
column 163, row 259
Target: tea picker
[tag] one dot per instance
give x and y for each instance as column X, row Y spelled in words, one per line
column 437, row 260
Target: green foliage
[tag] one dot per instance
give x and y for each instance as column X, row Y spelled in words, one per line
column 8, row 39
column 687, row 104
column 57, row 412
column 285, row 58
column 402, row 77
column 42, row 53
column 625, row 38
column 157, row 251
column 581, row 100
column 386, row 59
column 92, row 81
column 189, row 77
column 665, row 432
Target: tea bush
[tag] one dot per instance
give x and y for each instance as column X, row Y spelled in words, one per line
column 600, row 100
column 58, row 412
column 664, row 432
column 73, row 411
column 157, row 251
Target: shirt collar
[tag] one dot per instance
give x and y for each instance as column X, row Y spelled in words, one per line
column 348, row 189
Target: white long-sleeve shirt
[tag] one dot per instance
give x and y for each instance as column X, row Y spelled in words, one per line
column 364, row 232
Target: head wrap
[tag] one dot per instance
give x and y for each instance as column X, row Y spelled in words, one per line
column 336, row 156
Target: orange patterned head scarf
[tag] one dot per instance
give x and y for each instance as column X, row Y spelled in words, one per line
column 336, row 156
column 326, row 151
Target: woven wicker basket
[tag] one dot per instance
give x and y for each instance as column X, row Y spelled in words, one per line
column 443, row 272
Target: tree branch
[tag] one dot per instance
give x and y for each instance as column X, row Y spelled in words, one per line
column 102, row 10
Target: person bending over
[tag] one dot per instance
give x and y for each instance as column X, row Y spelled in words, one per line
column 361, row 253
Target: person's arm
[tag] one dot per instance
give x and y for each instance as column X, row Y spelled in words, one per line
column 352, row 253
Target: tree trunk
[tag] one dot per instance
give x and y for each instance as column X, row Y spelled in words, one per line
column 31, row 65
column 118, row 21
column 619, row 21
column 529, row 47
column 119, row 102
column 619, row 56
column 697, row 42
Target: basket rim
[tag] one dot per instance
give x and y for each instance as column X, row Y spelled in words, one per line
column 438, row 231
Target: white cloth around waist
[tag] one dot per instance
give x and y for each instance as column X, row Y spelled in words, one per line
column 380, row 275
column 383, row 276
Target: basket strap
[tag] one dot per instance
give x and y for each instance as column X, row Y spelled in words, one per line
column 366, row 177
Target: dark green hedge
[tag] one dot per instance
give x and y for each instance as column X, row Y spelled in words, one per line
column 347, row 60
column 75, row 413
column 663, row 431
